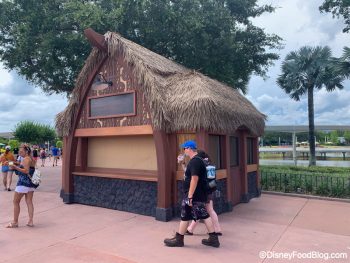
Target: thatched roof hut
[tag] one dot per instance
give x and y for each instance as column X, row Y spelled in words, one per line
column 128, row 115
column 179, row 98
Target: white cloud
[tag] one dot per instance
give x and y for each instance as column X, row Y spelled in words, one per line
column 21, row 101
column 5, row 76
column 300, row 23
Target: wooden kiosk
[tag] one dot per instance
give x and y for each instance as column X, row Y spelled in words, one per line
column 129, row 112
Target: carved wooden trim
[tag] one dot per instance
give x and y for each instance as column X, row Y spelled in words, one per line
column 115, row 131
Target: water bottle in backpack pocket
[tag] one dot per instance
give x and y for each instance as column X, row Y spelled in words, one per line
column 211, row 177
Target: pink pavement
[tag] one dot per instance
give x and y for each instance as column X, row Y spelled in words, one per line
column 79, row 233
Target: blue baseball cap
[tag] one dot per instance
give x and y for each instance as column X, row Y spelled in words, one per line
column 189, row 144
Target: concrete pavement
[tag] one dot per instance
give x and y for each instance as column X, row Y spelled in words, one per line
column 79, row 233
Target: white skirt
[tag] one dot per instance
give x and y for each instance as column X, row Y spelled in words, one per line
column 24, row 189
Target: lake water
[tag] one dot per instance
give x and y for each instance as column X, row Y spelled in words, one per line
column 305, row 162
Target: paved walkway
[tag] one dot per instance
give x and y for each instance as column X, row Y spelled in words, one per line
column 78, row 233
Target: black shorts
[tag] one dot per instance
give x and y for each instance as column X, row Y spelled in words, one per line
column 196, row 212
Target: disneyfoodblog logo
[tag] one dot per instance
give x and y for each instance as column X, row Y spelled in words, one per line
column 317, row 255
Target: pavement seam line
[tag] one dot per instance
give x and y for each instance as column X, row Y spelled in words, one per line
column 287, row 227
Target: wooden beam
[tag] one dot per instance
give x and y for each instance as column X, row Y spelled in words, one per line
column 114, row 131
column 227, row 164
column 96, row 39
column 69, row 155
column 243, row 164
column 164, row 172
column 252, row 168
column 203, row 140
column 126, row 174
column 258, row 181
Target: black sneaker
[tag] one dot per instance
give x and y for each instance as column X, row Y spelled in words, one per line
column 9, row 189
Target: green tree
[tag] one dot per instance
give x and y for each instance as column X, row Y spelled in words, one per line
column 14, row 144
column 347, row 136
column 35, row 133
column 47, row 133
column 303, row 71
column 338, row 8
column 27, row 132
column 59, row 144
column 334, row 137
column 44, row 42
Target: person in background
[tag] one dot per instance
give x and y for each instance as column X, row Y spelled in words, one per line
column 43, row 157
column 6, row 158
column 15, row 152
column 24, row 187
column 35, row 155
column 55, row 155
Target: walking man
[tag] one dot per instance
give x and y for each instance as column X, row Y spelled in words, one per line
column 55, row 155
column 194, row 199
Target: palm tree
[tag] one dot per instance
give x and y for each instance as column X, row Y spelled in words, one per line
column 341, row 66
column 303, row 71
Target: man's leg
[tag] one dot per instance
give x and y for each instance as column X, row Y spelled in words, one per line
column 178, row 239
column 183, row 227
column 201, row 213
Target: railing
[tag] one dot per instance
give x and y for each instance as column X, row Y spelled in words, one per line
column 321, row 185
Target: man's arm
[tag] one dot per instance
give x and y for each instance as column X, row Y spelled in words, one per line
column 193, row 185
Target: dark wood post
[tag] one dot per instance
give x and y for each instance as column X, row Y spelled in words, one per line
column 243, row 165
column 227, row 165
column 83, row 152
column 202, row 140
column 69, row 154
column 164, row 211
column 256, row 159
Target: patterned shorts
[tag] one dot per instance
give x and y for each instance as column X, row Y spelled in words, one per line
column 196, row 212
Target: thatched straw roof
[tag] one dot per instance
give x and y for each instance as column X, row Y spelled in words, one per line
column 179, row 98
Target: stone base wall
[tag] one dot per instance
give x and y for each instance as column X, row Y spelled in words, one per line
column 138, row 197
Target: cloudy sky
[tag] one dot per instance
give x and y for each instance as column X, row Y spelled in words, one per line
column 298, row 22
